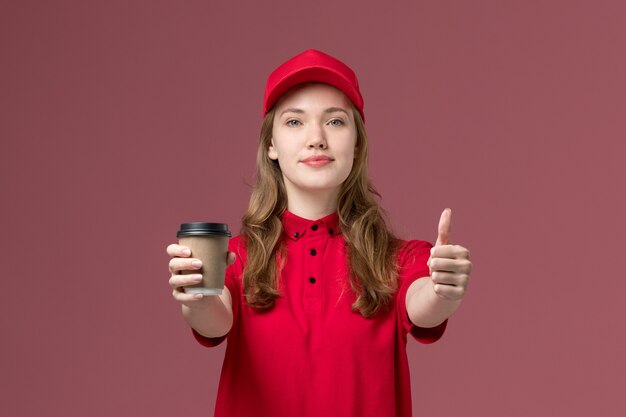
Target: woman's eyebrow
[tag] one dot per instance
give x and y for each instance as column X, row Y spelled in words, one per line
column 335, row 109
column 300, row 111
column 291, row 110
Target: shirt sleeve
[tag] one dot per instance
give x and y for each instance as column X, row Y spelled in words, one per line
column 412, row 259
column 231, row 281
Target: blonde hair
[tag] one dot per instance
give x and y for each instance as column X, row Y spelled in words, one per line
column 371, row 245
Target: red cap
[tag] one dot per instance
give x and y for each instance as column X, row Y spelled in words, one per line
column 312, row 66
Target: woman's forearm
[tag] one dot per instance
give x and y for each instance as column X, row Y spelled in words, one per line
column 214, row 319
column 424, row 307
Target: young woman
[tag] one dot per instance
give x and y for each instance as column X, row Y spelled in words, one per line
column 319, row 295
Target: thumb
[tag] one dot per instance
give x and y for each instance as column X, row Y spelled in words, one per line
column 231, row 258
column 443, row 231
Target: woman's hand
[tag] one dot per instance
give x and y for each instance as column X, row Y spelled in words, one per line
column 181, row 261
column 450, row 265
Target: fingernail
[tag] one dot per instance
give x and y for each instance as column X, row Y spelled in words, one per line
column 197, row 264
column 197, row 278
column 186, row 252
column 198, row 296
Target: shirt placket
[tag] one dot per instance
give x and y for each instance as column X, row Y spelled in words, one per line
column 315, row 243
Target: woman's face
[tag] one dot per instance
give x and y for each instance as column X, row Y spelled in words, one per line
column 313, row 138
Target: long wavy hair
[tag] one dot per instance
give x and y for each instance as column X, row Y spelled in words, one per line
column 371, row 245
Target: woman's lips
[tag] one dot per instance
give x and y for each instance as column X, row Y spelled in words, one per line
column 317, row 160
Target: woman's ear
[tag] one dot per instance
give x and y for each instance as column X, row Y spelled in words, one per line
column 271, row 152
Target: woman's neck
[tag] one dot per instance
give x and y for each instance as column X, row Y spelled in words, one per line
column 312, row 206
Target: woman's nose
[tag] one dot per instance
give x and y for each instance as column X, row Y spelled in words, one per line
column 317, row 139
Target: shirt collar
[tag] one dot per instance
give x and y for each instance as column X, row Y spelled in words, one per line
column 296, row 227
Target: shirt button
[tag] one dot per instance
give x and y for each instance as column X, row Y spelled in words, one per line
column 312, row 280
column 314, row 227
column 296, row 234
column 313, row 252
column 331, row 231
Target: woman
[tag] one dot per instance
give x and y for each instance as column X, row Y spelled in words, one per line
column 319, row 295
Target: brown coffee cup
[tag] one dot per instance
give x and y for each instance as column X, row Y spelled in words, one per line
column 208, row 242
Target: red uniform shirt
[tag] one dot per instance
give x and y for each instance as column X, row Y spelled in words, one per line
column 311, row 355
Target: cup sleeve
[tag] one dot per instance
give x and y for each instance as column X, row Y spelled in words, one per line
column 412, row 259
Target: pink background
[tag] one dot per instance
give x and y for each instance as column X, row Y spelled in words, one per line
column 122, row 119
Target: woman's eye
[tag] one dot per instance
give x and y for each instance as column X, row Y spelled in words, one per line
column 336, row 122
column 292, row 123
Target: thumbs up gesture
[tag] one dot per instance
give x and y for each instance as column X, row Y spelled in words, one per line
column 449, row 265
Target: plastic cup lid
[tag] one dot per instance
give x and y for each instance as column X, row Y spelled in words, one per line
column 203, row 229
